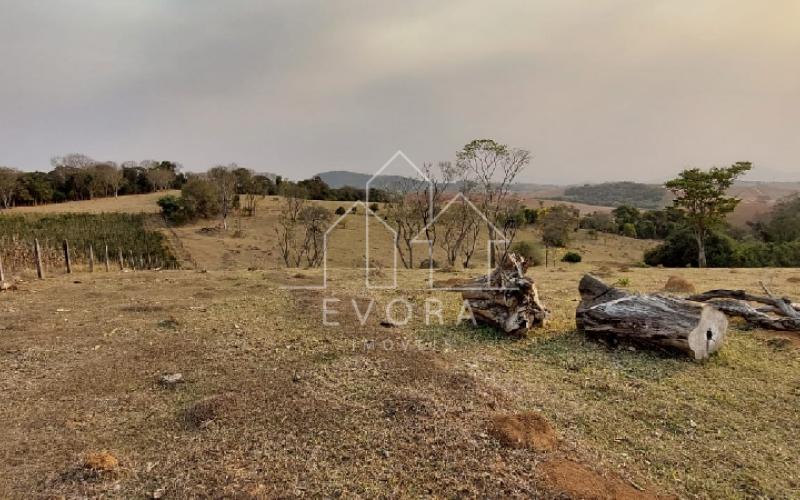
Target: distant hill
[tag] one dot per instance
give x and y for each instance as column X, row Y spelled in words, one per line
column 614, row 194
column 341, row 178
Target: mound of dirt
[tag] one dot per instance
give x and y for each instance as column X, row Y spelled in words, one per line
column 575, row 480
column 207, row 410
column 101, row 461
column 524, row 430
column 677, row 284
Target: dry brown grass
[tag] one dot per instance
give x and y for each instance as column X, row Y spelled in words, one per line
column 275, row 404
column 134, row 203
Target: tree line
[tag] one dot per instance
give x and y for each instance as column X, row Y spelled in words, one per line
column 76, row 177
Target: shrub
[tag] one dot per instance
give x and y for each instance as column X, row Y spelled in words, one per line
column 200, row 198
column 629, row 230
column 172, row 208
column 374, row 207
column 759, row 254
column 680, row 250
column 340, row 211
column 572, row 257
column 531, row 252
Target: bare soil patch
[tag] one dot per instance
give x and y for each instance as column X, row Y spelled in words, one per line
column 577, row 481
column 524, row 430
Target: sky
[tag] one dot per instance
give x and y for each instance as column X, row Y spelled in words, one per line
column 599, row 90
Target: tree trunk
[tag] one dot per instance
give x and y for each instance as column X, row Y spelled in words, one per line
column 612, row 314
column 701, row 251
column 506, row 299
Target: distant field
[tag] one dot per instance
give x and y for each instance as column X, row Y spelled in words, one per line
column 133, row 203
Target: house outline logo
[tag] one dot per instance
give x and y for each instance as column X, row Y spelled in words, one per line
column 398, row 155
column 331, row 227
column 367, row 214
column 502, row 239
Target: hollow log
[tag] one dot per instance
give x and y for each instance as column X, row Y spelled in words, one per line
column 506, row 299
column 609, row 313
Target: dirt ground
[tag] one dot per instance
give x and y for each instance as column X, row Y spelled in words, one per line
column 274, row 403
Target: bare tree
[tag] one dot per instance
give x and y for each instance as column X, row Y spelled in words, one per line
column 413, row 205
column 288, row 226
column 160, row 177
column 8, row 185
column 225, row 181
column 107, row 177
column 493, row 167
column 455, row 227
column 315, row 220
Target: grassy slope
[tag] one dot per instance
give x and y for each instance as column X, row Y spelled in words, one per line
column 132, row 203
column 303, row 409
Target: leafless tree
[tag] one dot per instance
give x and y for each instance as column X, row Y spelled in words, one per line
column 456, row 227
column 8, row 185
column 108, row 177
column 493, row 168
column 413, row 206
column 315, row 220
column 161, row 178
column 224, row 179
column 288, row 226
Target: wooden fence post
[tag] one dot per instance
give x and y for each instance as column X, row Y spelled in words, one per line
column 2, row 272
column 107, row 269
column 91, row 259
column 121, row 261
column 37, row 253
column 67, row 261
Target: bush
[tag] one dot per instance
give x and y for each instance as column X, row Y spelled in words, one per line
column 759, row 254
column 340, row 211
column 572, row 257
column 629, row 230
column 200, row 198
column 374, row 207
column 680, row 250
column 531, row 252
column 173, row 209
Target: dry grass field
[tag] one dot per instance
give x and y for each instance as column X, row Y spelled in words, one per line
column 135, row 203
column 276, row 404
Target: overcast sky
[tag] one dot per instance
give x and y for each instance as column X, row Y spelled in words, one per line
column 596, row 89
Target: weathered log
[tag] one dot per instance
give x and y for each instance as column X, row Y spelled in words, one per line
column 506, row 299
column 658, row 320
column 777, row 314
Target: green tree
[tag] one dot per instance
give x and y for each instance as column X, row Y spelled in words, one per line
column 701, row 195
column 629, row 230
column 784, row 221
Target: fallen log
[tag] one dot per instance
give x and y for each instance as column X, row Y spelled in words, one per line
column 779, row 314
column 609, row 313
column 506, row 299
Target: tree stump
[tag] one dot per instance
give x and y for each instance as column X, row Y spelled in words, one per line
column 657, row 320
column 506, row 299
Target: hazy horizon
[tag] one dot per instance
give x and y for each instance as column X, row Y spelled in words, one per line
column 604, row 91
